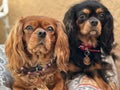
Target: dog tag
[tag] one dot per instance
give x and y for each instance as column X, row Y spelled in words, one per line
column 86, row 60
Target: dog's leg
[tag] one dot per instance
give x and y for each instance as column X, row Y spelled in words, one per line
column 73, row 68
column 20, row 86
column 65, row 87
column 98, row 79
column 102, row 84
column 59, row 83
column 17, row 88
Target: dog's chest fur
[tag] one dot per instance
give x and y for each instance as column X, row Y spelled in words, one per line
column 77, row 56
column 45, row 79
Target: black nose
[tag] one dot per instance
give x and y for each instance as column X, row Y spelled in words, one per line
column 94, row 22
column 41, row 34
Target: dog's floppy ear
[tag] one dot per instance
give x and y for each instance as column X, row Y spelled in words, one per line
column 70, row 22
column 107, row 36
column 14, row 47
column 61, row 48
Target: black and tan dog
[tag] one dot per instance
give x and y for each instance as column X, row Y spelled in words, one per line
column 89, row 26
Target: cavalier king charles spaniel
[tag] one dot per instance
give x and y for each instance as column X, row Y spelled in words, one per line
column 89, row 26
column 37, row 50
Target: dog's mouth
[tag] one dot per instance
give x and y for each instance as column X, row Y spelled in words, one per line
column 39, row 49
column 41, row 42
column 36, row 42
column 93, row 32
column 43, row 46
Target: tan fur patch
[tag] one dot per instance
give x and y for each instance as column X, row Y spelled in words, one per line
column 99, row 10
column 86, row 11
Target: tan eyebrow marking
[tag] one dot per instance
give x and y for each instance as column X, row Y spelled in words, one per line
column 99, row 10
column 86, row 11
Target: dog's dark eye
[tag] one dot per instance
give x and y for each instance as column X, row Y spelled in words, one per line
column 50, row 29
column 82, row 17
column 101, row 15
column 29, row 27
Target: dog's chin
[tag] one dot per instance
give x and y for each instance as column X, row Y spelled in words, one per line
column 90, row 37
column 39, row 48
column 93, row 33
column 90, row 33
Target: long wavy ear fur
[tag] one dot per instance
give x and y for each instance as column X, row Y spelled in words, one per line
column 70, row 21
column 70, row 26
column 14, row 48
column 62, row 48
column 107, row 36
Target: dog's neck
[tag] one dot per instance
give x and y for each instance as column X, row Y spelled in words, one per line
column 41, row 58
column 88, row 40
column 38, row 68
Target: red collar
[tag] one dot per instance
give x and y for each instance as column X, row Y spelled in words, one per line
column 88, row 47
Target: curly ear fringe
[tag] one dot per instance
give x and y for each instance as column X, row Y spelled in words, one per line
column 62, row 48
column 14, row 48
column 107, row 36
column 69, row 21
column 70, row 25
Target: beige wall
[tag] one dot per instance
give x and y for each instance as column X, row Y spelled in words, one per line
column 52, row 8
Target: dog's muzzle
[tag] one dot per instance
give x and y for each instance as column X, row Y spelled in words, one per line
column 41, row 34
column 93, row 21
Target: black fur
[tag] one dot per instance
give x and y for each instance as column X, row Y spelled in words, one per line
column 104, row 41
